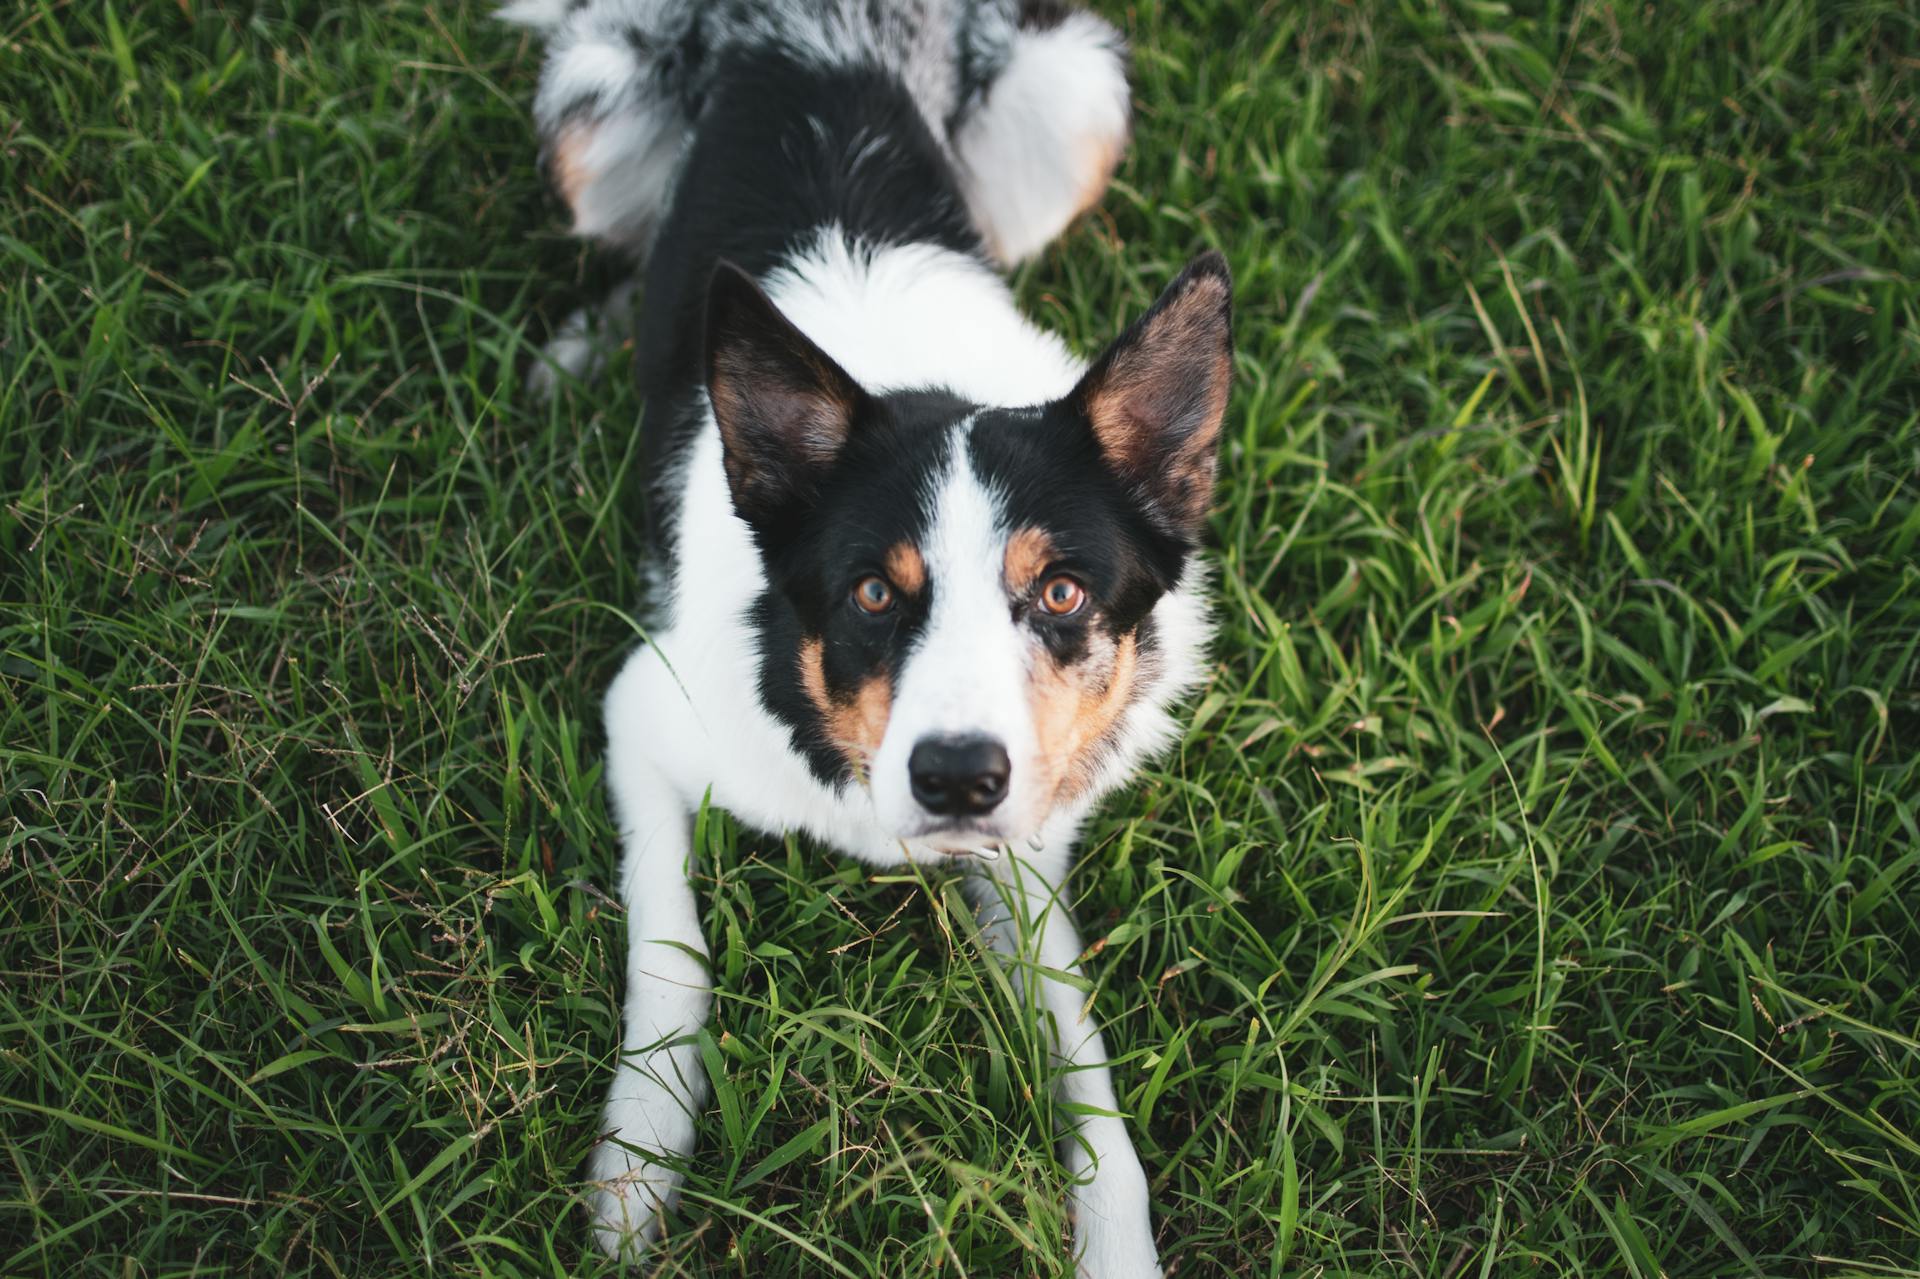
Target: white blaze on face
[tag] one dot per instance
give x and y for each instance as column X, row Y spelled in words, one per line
column 967, row 675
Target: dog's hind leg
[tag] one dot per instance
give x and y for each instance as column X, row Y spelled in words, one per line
column 613, row 130
column 1039, row 142
column 586, row 340
column 612, row 121
column 1023, row 915
column 660, row 1083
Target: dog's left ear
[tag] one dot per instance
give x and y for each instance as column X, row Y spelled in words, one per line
column 783, row 406
column 1156, row 397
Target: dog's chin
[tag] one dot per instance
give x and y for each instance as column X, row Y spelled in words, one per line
column 960, row 838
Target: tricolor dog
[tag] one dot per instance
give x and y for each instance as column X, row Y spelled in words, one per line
column 925, row 583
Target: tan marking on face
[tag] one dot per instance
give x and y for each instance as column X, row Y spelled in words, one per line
column 1077, row 708
column 905, row 568
column 1029, row 551
column 854, row 725
column 568, row 165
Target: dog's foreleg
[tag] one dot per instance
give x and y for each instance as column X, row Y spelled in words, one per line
column 659, row 1084
column 1023, row 915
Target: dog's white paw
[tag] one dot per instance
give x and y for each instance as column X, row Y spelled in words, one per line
column 1113, row 1222
column 1116, row 1249
column 629, row 1194
column 632, row 1182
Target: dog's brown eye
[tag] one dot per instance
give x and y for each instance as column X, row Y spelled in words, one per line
column 873, row 595
column 1062, row 596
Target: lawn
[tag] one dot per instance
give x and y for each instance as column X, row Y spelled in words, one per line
column 1536, row 891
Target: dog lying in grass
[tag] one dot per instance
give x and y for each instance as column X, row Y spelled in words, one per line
column 926, row 584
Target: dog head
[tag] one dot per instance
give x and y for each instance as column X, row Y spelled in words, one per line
column 959, row 613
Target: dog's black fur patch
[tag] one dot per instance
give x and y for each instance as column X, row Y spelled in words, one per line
column 1053, row 478
column 780, row 151
column 870, row 501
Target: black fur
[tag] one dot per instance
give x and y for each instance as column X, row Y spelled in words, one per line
column 780, row 151
column 1051, row 476
column 871, row 501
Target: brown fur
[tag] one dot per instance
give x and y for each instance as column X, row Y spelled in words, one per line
column 1101, row 158
column 1077, row 708
column 855, row 724
column 1029, row 551
column 782, row 405
column 567, row 163
column 905, row 568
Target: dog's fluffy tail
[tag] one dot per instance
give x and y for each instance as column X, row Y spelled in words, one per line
column 1038, row 142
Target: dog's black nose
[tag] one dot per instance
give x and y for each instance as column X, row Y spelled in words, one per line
column 959, row 776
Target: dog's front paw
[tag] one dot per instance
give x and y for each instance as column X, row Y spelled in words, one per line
column 1113, row 1222
column 630, row 1192
column 1117, row 1251
column 634, row 1183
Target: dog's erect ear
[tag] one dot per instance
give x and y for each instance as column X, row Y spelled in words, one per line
column 1155, row 398
column 783, row 406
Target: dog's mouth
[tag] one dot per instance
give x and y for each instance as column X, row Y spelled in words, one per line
column 964, row 838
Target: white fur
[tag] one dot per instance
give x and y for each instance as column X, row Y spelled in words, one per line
column 538, row 15
column 920, row 315
column 623, row 163
column 968, row 675
column 684, row 720
column 1043, row 144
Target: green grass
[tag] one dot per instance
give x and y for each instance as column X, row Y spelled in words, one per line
column 1537, row 891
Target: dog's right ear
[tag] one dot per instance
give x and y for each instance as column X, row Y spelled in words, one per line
column 783, row 406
